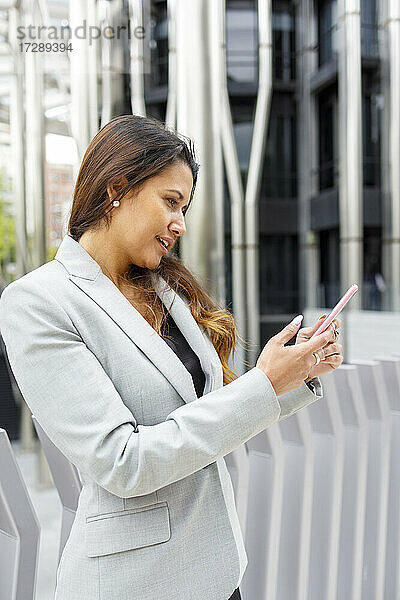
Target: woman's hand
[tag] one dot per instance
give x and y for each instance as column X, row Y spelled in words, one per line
column 331, row 355
column 288, row 366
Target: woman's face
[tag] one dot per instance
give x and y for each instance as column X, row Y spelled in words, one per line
column 156, row 210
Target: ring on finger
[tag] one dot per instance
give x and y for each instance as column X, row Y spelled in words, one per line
column 336, row 333
column 317, row 359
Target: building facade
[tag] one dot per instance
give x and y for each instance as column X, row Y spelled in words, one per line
column 323, row 196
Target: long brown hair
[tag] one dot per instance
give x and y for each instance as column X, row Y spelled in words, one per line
column 139, row 148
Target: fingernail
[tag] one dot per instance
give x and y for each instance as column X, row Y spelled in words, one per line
column 297, row 320
column 322, row 316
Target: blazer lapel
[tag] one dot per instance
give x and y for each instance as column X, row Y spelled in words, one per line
column 86, row 274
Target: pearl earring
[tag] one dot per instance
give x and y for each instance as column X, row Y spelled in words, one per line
column 116, row 203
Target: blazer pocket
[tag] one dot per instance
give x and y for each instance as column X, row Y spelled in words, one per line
column 128, row 529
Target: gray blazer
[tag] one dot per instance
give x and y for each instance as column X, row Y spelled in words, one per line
column 156, row 517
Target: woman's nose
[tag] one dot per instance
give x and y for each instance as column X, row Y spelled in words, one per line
column 179, row 227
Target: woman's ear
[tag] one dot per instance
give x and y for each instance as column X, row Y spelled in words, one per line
column 114, row 186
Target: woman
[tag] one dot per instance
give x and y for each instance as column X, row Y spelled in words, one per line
column 123, row 359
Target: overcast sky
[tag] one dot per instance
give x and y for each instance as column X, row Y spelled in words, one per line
column 60, row 149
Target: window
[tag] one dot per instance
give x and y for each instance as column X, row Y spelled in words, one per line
column 371, row 120
column 55, row 177
column 241, row 44
column 369, row 29
column 283, row 34
column 243, row 118
column 278, row 274
column 279, row 171
column 327, row 134
column 374, row 285
column 159, row 44
column 329, row 267
column 327, row 11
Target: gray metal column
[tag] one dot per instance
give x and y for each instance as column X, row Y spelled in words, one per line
column 79, row 79
column 17, row 129
column 34, row 176
column 237, row 461
column 137, row 59
column 35, row 155
column 307, row 37
column 236, row 194
column 195, row 118
column 385, row 137
column 112, row 60
column 350, row 146
column 92, row 57
column 215, row 17
column 390, row 24
column 257, row 151
column 170, row 117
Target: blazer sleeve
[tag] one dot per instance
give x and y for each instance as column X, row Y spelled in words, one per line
column 76, row 403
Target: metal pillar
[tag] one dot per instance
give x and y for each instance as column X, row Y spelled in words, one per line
column 350, row 146
column 394, row 50
column 36, row 209
column 216, row 75
column 79, row 79
column 236, row 200
column 307, row 151
column 137, row 59
column 390, row 48
column 170, row 117
column 255, row 174
column 17, row 130
column 92, row 53
column 35, row 145
column 385, row 137
column 195, row 119
column 34, row 162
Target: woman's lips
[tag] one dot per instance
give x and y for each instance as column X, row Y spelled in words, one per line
column 164, row 249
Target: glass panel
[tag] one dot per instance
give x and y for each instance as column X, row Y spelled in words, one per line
column 369, row 29
column 374, row 286
column 327, row 11
column 329, row 292
column 284, row 55
column 279, row 172
column 159, row 45
column 278, row 274
column 243, row 118
column 371, row 120
column 327, row 162
column 241, row 44
column 371, row 150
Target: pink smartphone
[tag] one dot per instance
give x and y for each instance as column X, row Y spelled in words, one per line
column 337, row 309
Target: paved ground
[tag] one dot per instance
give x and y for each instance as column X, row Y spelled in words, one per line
column 48, row 510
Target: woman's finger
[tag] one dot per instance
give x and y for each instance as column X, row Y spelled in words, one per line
column 334, row 361
column 333, row 348
column 320, row 353
column 336, row 323
column 306, row 332
column 316, row 325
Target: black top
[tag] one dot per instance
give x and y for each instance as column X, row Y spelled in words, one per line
column 180, row 346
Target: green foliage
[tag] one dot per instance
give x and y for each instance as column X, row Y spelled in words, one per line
column 7, row 231
column 50, row 253
column 7, row 236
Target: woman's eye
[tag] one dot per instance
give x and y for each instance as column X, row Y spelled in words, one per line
column 173, row 202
